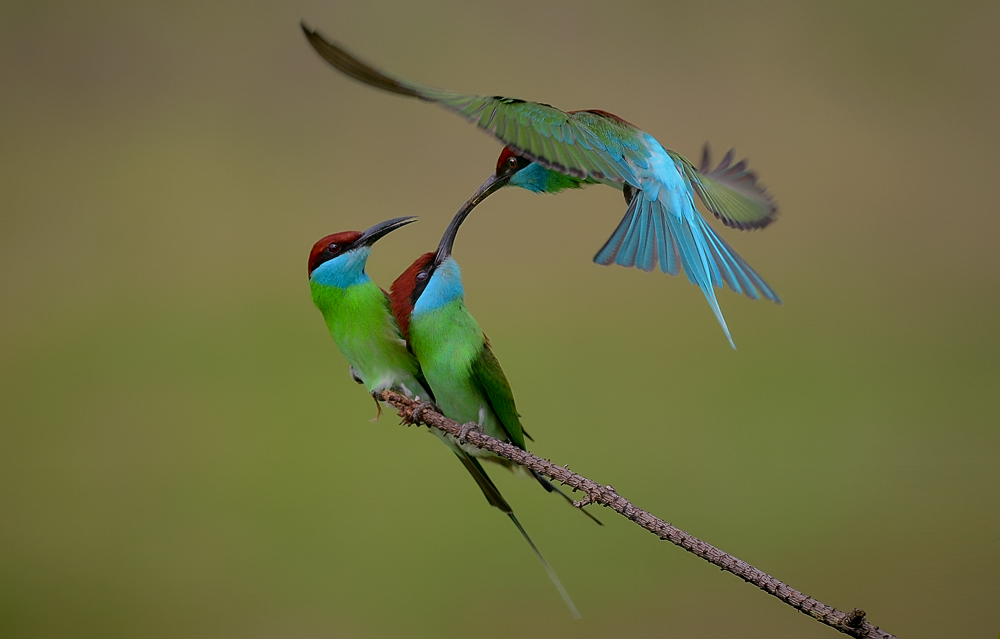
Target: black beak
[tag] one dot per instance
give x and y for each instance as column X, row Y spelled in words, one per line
column 380, row 230
column 492, row 183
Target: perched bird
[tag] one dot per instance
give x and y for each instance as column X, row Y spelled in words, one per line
column 359, row 317
column 358, row 314
column 462, row 372
column 548, row 150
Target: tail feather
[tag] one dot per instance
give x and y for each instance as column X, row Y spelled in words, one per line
column 552, row 488
column 497, row 501
column 687, row 245
column 697, row 264
column 666, row 248
column 483, row 480
column 642, row 237
column 631, row 244
column 613, row 246
column 649, row 233
column 548, row 568
column 492, row 493
column 707, row 260
column 733, row 278
column 646, row 258
column 754, row 285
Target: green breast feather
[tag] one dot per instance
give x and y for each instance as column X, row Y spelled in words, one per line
column 361, row 323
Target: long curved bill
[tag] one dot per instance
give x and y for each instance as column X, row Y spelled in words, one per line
column 380, row 230
column 492, row 183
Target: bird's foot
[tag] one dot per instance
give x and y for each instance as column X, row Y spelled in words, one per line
column 414, row 416
column 468, row 427
column 378, row 406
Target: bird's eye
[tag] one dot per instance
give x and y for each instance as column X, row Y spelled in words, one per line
column 421, row 276
column 512, row 161
column 333, row 247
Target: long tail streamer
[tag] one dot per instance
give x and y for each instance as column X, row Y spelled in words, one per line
column 548, row 568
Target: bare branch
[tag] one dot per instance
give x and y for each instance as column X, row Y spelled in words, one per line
column 852, row 623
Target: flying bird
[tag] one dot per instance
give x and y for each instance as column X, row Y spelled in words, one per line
column 548, row 150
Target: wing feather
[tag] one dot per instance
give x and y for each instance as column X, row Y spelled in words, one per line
column 489, row 378
column 517, row 123
column 731, row 192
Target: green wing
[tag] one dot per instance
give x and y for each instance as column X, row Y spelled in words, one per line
column 563, row 142
column 492, row 383
column 730, row 191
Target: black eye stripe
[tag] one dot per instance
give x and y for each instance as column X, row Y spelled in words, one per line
column 420, row 285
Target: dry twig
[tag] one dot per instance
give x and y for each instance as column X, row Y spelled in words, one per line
column 852, row 623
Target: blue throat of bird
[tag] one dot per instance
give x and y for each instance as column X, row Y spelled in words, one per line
column 444, row 287
column 538, row 179
column 344, row 270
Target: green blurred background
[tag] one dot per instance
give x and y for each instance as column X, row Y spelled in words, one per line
column 182, row 453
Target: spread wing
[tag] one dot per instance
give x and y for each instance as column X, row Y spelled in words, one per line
column 492, row 383
column 557, row 140
column 730, row 191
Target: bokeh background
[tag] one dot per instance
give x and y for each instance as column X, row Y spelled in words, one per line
column 182, row 453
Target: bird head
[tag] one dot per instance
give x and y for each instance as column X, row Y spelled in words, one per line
column 433, row 279
column 407, row 289
column 429, row 283
column 339, row 259
column 509, row 165
column 515, row 169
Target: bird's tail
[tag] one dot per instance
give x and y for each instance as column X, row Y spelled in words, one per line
column 650, row 233
column 548, row 568
column 497, row 501
column 483, row 480
column 552, row 488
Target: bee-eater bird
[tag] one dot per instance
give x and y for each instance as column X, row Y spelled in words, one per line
column 457, row 361
column 358, row 314
column 548, row 150
column 359, row 317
